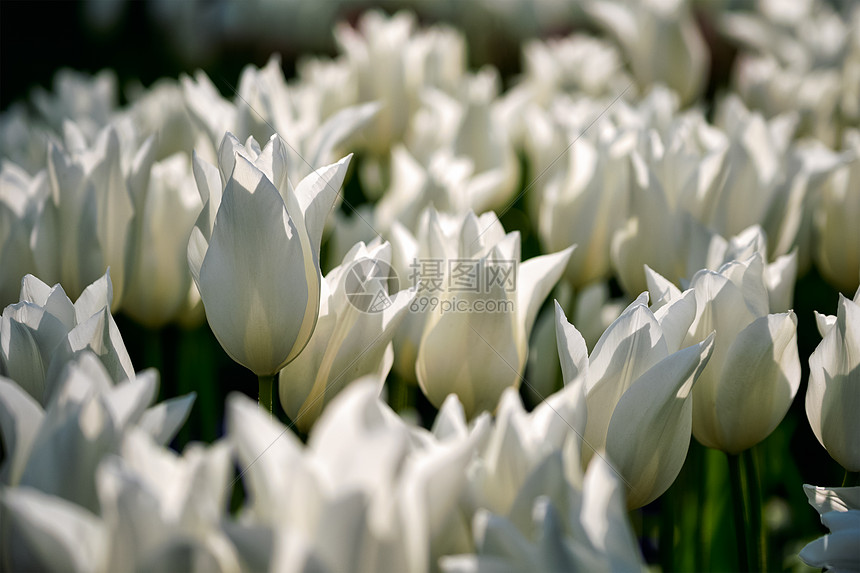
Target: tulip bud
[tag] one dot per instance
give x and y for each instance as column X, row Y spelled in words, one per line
column 258, row 274
column 638, row 392
column 475, row 344
column 754, row 371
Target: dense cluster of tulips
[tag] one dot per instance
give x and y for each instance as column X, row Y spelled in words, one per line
column 485, row 324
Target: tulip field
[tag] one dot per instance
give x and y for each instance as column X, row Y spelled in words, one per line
column 427, row 286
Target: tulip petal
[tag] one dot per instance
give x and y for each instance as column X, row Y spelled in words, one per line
column 760, row 377
column 536, row 277
column 834, row 552
column 210, row 187
column 496, row 347
column 253, row 279
column 572, row 350
column 831, row 397
column 631, row 346
column 47, row 533
column 128, row 400
column 649, row 432
column 604, row 517
column 164, row 420
column 264, row 448
column 20, row 421
column 316, row 194
column 825, row 499
column 337, row 129
column 675, row 319
column 95, row 297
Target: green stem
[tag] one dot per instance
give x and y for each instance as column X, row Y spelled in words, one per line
column 739, row 508
column 266, row 384
column 700, row 479
column 852, row 479
column 666, row 541
column 398, row 394
column 758, row 537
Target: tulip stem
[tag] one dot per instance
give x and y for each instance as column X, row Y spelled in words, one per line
column 266, row 383
column 398, row 394
column 852, row 479
column 759, row 536
column 746, row 505
column 736, row 478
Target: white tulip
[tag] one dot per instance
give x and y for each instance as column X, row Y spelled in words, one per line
column 586, row 202
column 786, row 178
column 833, row 392
column 754, row 371
column 470, row 126
column 575, row 529
column 368, row 493
column 22, row 141
column 265, row 105
column 57, row 449
column 673, row 154
column 89, row 101
column 392, row 63
column 166, row 208
column 575, row 63
column 709, row 250
column 156, row 510
column 802, row 59
column 83, row 227
column 519, row 442
column 258, row 272
column 638, row 388
column 837, row 255
column 20, row 198
column 839, row 508
column 44, row 331
column 348, row 342
column 479, row 345
column 436, row 240
column 660, row 40
column 157, row 505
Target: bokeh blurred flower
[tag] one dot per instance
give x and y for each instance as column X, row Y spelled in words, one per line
column 84, row 225
column 837, row 254
column 166, row 206
column 57, row 449
column 44, row 331
column 368, row 493
column 572, row 530
column 584, row 204
column 20, row 198
column 660, row 40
